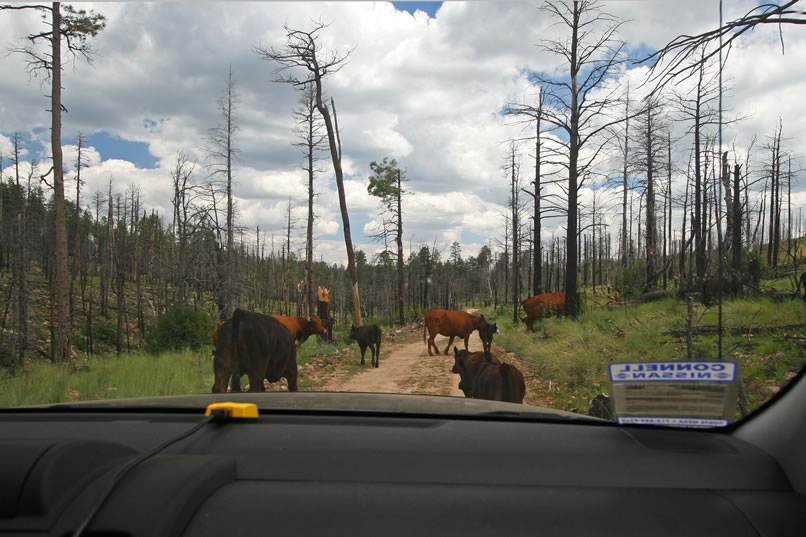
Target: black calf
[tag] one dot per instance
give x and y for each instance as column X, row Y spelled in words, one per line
column 368, row 336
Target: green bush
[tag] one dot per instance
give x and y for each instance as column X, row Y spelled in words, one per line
column 180, row 328
column 630, row 281
column 105, row 332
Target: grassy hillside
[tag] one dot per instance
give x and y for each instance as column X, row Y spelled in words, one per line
column 574, row 355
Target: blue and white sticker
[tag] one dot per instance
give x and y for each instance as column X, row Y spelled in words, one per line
column 673, row 372
column 672, row 422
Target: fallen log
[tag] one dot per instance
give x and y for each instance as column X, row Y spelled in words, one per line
column 797, row 340
column 640, row 299
column 710, row 329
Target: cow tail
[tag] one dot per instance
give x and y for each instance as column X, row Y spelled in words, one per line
column 236, row 371
column 506, row 393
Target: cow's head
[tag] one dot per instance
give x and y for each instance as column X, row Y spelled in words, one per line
column 486, row 333
column 478, row 322
column 314, row 325
column 459, row 358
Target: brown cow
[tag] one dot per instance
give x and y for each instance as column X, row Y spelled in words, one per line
column 540, row 306
column 485, row 377
column 257, row 345
column 450, row 323
column 301, row 328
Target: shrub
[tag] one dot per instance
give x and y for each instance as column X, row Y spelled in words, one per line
column 104, row 332
column 180, row 328
column 630, row 281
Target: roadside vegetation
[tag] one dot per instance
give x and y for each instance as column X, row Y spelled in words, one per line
column 572, row 356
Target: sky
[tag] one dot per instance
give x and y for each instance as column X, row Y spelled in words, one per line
column 425, row 84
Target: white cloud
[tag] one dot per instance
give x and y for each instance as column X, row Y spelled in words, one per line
column 425, row 91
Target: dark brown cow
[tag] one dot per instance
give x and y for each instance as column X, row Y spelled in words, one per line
column 467, row 365
column 711, row 288
column 540, row 306
column 801, row 282
column 450, row 323
column 257, row 345
column 482, row 376
column 301, row 328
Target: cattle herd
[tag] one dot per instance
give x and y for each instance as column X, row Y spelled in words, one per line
column 265, row 347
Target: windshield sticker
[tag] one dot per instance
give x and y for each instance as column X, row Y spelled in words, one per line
column 673, row 372
column 678, row 394
column 671, row 422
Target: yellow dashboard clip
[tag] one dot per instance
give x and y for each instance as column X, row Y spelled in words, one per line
column 234, row 410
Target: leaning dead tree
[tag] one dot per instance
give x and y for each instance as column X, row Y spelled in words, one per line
column 302, row 63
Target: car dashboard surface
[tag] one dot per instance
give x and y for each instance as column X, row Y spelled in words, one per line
column 370, row 473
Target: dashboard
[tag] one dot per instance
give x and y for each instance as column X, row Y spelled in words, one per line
column 384, row 465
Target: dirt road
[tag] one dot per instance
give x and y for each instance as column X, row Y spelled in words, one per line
column 407, row 368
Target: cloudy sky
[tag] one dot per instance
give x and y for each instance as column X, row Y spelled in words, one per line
column 425, row 84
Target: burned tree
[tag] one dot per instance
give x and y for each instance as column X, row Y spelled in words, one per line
column 311, row 141
column 222, row 152
column 578, row 106
column 71, row 29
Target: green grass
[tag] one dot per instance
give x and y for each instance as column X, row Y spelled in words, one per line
column 574, row 355
column 133, row 375
column 138, row 375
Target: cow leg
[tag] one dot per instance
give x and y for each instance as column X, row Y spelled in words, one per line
column 467, row 339
column 291, row 377
column 235, row 384
column 255, row 383
column 363, row 352
column 450, row 342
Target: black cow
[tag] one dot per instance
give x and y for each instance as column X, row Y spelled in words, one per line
column 486, row 334
column 368, row 336
column 256, row 345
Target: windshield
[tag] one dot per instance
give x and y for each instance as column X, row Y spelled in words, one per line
column 345, row 197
